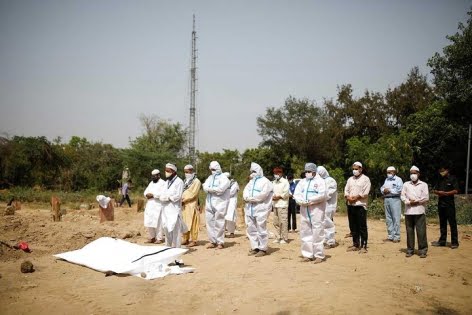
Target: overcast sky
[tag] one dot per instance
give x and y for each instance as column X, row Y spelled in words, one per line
column 91, row 68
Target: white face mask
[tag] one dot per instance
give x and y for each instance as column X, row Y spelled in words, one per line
column 390, row 175
column 356, row 172
column 252, row 175
column 188, row 176
column 276, row 176
column 414, row 177
column 309, row 175
column 168, row 174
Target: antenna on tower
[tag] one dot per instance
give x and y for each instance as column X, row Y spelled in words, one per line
column 193, row 81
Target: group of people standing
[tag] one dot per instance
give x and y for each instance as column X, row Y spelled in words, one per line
column 173, row 210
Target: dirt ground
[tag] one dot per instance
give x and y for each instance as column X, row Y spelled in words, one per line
column 229, row 281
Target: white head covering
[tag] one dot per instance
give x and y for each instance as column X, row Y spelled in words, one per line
column 155, row 172
column 188, row 167
column 256, row 167
column 310, row 167
column 103, row 201
column 171, row 166
column 322, row 171
column 215, row 165
column 226, row 174
column 391, row 168
column 358, row 164
column 414, row 168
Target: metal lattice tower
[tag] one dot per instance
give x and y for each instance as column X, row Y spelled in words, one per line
column 193, row 89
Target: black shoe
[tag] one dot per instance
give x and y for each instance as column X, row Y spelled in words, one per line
column 437, row 243
column 423, row 255
column 408, row 254
column 454, row 246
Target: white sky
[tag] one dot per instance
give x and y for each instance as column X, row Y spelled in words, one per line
column 90, row 68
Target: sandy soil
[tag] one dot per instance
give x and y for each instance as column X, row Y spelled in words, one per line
column 228, row 281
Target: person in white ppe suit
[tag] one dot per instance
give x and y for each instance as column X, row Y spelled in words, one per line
column 153, row 210
column 310, row 194
column 171, row 199
column 258, row 197
column 216, row 186
column 232, row 213
column 331, row 204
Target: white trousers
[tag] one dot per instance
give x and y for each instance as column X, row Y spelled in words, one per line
column 257, row 231
column 230, row 226
column 312, row 232
column 173, row 238
column 215, row 224
column 329, row 228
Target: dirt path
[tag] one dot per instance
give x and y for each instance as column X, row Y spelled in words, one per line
column 228, row 281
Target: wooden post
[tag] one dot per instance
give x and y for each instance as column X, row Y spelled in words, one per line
column 140, row 205
column 108, row 213
column 56, row 209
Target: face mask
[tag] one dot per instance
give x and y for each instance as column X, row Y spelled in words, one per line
column 168, row 174
column 414, row 177
column 309, row 175
column 390, row 175
column 356, row 172
column 276, row 176
column 443, row 173
column 252, row 175
column 188, row 176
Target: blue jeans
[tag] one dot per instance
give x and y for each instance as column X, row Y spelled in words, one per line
column 393, row 210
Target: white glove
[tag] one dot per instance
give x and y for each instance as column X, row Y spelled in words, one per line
column 164, row 198
column 211, row 190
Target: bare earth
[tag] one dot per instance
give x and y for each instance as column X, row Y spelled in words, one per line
column 228, row 281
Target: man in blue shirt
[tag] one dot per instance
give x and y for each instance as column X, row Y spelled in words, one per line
column 391, row 191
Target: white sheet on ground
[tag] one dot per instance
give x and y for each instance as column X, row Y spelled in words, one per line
column 109, row 254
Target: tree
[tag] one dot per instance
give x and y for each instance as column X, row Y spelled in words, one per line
column 453, row 73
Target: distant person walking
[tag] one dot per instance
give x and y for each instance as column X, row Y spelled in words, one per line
column 125, row 193
column 391, row 190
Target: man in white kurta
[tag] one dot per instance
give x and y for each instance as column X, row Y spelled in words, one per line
column 331, row 205
column 258, row 197
column 153, row 210
column 232, row 213
column 216, row 186
column 310, row 194
column 172, row 210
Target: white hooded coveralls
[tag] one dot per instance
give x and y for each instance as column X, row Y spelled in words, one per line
column 153, row 210
column 310, row 194
column 258, row 196
column 172, row 211
column 216, row 186
column 232, row 213
column 331, row 204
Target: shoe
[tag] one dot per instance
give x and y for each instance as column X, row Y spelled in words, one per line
column 437, row 243
column 454, row 246
column 396, row 241
column 231, row 235
column 348, row 235
column 306, row 259
column 408, row 254
column 387, row 240
column 318, row 261
column 192, row 244
column 220, row 246
column 283, row 242
column 211, row 245
column 327, row 246
column 150, row 241
column 159, row 241
column 276, row 241
column 253, row 252
column 260, row 253
column 363, row 250
column 352, row 249
column 423, row 255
